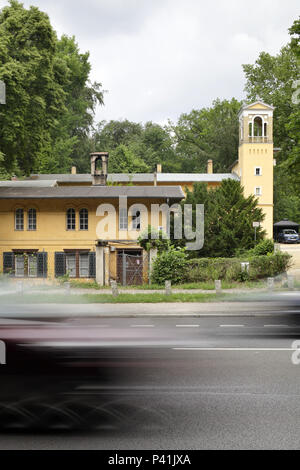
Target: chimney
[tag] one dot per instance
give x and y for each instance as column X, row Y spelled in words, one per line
column 73, row 170
column 99, row 175
column 158, row 168
column 210, row 166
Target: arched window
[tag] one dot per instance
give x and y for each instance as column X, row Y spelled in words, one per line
column 258, row 127
column 250, row 129
column 31, row 219
column 71, row 219
column 265, row 129
column 83, row 219
column 19, row 219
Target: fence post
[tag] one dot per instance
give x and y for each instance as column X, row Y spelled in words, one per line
column 270, row 283
column 277, row 247
column 290, row 280
column 114, row 288
column 168, row 289
column 218, row 286
column 67, row 287
column 20, row 288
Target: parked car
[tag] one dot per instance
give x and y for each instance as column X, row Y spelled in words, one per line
column 288, row 236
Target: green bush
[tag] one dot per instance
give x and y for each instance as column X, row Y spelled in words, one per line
column 170, row 265
column 269, row 265
column 263, row 248
column 229, row 269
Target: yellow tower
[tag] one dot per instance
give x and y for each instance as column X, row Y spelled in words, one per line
column 255, row 165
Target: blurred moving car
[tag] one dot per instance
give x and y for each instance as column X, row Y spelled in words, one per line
column 73, row 374
column 288, row 236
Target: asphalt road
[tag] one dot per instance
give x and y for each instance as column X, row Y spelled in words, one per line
column 233, row 386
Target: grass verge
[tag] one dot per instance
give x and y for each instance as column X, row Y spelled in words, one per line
column 108, row 298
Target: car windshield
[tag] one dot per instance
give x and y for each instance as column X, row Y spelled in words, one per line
column 290, row 232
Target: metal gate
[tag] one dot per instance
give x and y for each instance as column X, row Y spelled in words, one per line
column 132, row 267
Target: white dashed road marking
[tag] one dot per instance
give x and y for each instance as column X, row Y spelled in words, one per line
column 187, row 326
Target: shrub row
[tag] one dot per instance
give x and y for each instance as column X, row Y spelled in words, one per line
column 230, row 269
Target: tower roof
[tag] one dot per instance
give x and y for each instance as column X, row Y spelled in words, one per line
column 256, row 106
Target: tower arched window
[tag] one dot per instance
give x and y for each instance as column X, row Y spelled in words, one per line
column 83, row 219
column 71, row 219
column 258, row 127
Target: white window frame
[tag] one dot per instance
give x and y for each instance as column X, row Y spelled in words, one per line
column 19, row 219
column 258, row 168
column 71, row 218
column 259, row 192
column 83, row 219
column 136, row 220
column 123, row 218
column 32, row 258
column 84, row 268
column 31, row 219
column 68, row 270
column 17, row 258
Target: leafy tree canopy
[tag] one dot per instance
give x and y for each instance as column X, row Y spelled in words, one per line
column 228, row 218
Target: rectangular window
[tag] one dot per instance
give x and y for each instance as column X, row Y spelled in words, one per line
column 258, row 191
column 32, row 266
column 258, row 171
column 71, row 264
column 83, row 265
column 123, row 219
column 32, row 219
column 83, row 219
column 19, row 266
column 19, row 219
column 71, row 219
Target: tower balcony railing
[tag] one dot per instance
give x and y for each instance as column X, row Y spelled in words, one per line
column 258, row 139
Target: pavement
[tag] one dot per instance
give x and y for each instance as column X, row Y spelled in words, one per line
column 269, row 304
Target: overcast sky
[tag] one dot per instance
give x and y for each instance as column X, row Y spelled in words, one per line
column 160, row 58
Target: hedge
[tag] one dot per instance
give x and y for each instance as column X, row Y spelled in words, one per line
column 229, row 269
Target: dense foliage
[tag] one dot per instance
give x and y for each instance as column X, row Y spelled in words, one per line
column 47, row 123
column 169, row 265
column 228, row 218
column 49, row 99
column 230, row 269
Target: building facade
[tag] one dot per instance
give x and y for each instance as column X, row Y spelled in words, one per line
column 87, row 226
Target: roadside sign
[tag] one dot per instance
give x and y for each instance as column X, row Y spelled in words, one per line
column 255, row 224
column 2, row 93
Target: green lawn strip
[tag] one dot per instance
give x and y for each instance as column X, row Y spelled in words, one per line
column 108, row 298
column 190, row 285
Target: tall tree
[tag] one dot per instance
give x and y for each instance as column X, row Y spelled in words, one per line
column 208, row 133
column 123, row 160
column 228, row 218
column 50, row 101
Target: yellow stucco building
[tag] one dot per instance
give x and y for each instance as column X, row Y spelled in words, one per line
column 87, row 225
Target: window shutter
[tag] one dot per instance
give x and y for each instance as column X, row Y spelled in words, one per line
column 60, row 264
column 92, row 264
column 42, row 264
column 9, row 262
